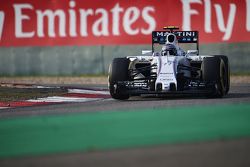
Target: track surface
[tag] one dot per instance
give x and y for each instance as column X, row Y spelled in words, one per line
column 213, row 153
column 239, row 93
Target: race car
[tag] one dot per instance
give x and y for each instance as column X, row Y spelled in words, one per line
column 169, row 69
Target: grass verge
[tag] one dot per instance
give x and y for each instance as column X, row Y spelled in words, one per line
column 121, row 129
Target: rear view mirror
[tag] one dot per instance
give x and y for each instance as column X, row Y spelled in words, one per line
column 192, row 52
column 146, row 52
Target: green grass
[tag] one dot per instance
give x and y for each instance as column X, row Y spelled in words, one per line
column 124, row 129
column 240, row 73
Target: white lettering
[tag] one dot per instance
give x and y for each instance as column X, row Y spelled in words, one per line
column 19, row 17
column 63, row 22
column 1, row 23
column 159, row 33
column 207, row 18
column 84, row 21
column 102, row 22
column 230, row 22
column 248, row 14
column 148, row 19
column 187, row 12
column 51, row 22
column 130, row 16
column 72, row 19
column 178, row 33
column 116, row 19
column 189, row 33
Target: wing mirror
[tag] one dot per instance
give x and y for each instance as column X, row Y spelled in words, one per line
column 192, row 52
column 146, row 52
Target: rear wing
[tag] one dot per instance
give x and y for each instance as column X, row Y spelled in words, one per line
column 159, row 37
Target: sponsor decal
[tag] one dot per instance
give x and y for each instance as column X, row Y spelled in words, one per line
column 118, row 22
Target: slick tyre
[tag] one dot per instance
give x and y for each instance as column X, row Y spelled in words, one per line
column 118, row 71
column 227, row 66
column 214, row 72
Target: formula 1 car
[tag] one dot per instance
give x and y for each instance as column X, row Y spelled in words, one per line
column 168, row 69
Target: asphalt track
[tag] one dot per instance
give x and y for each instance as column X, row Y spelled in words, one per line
column 223, row 140
column 239, row 93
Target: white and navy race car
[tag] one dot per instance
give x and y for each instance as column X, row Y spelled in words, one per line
column 169, row 69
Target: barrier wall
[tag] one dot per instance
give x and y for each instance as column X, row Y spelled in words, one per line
column 95, row 60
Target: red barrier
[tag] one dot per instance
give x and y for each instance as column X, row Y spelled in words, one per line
column 113, row 22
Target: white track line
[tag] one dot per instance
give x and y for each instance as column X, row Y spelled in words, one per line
column 88, row 91
column 46, row 87
column 4, row 107
column 58, row 99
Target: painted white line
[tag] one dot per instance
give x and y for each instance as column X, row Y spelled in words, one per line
column 87, row 91
column 4, row 107
column 58, row 99
column 47, row 87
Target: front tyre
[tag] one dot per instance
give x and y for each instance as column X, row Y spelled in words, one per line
column 227, row 66
column 214, row 72
column 118, row 71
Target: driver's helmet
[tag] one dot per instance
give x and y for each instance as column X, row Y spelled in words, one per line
column 171, row 48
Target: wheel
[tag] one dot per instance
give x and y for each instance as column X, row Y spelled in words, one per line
column 227, row 65
column 214, row 71
column 118, row 71
column 181, row 81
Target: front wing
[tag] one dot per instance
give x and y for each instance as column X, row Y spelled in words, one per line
column 142, row 88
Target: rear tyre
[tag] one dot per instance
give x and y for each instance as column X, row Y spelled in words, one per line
column 118, row 71
column 214, row 73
